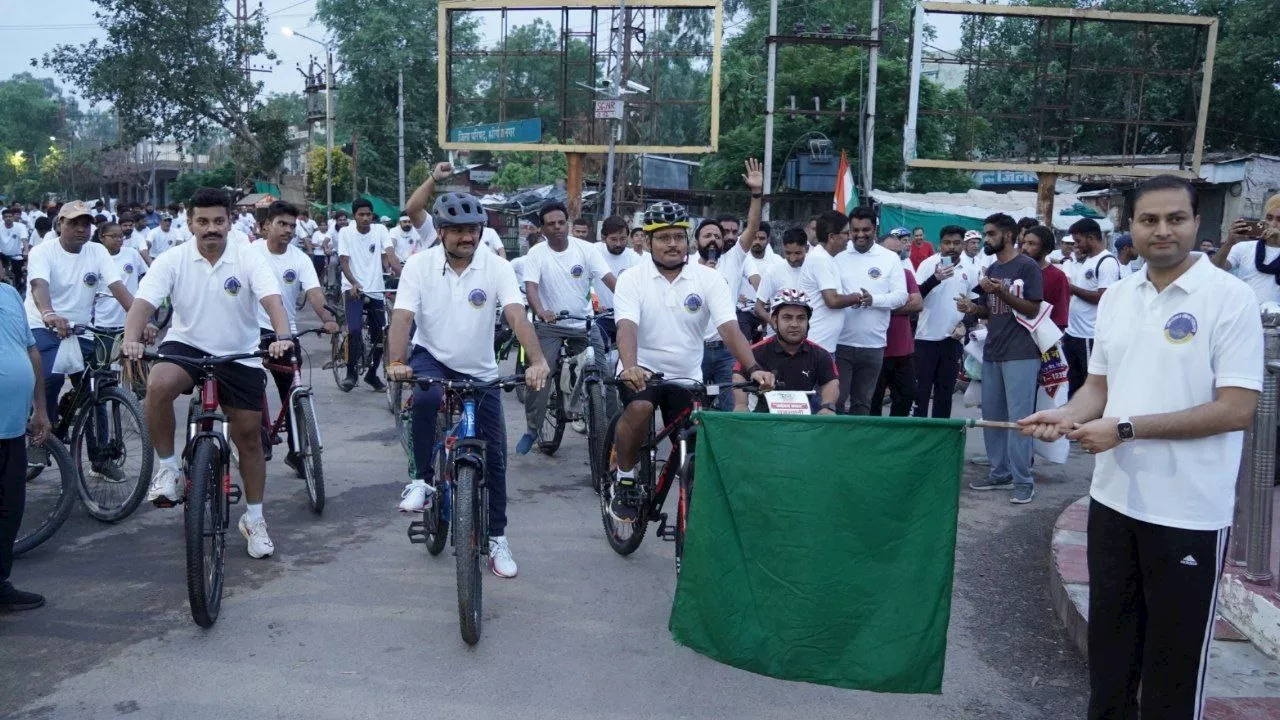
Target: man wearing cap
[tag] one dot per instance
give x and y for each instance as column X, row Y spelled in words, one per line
column 406, row 239
column 164, row 237
column 899, row 241
column 1127, row 255
column 797, row 363
column 920, row 247
column 62, row 279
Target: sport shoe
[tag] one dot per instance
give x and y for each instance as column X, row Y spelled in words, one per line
column 255, row 531
column 981, row 460
column 579, row 426
column 347, row 383
column 525, row 445
column 987, row 483
column 166, row 485
column 414, row 497
column 622, row 501
column 375, row 382
column 294, row 461
column 1022, row 494
column 500, row 560
column 12, row 599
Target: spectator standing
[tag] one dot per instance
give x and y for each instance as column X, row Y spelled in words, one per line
column 1097, row 271
column 1253, row 257
column 898, row 370
column 920, row 247
column 1037, row 243
column 941, row 278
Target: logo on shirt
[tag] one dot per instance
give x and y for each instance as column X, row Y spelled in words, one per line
column 576, row 271
column 91, row 279
column 128, row 268
column 693, row 302
column 1180, row 328
column 291, row 276
column 1088, row 274
column 232, row 286
column 874, row 273
column 477, row 298
column 372, row 248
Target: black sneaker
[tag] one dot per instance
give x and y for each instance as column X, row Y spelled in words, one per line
column 623, row 505
column 375, row 382
column 348, row 383
column 12, row 599
column 294, row 460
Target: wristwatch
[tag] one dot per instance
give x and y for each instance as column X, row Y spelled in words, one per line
column 827, row 406
column 1124, row 429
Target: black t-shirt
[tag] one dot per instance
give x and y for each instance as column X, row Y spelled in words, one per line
column 1006, row 339
column 809, row 369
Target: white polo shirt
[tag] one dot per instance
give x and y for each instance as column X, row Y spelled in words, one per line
column 294, row 274
column 107, row 311
column 564, row 278
column 777, row 276
column 1096, row 273
column 159, row 240
column 817, row 274
column 752, row 267
column 454, row 311
column 618, row 264
column 879, row 272
column 427, row 231
column 74, row 279
column 1243, row 265
column 214, row 306
column 137, row 240
column 12, row 238
column 671, row 316
column 1165, row 352
column 406, row 242
column 940, row 316
column 365, row 251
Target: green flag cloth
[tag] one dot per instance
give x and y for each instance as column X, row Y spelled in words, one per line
column 822, row 548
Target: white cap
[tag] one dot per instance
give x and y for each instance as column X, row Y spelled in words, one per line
column 405, row 217
column 1068, row 239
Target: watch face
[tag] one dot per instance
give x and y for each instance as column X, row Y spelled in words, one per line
column 1125, row 430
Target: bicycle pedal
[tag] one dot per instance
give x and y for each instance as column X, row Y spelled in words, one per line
column 417, row 532
column 664, row 531
column 165, row 504
column 234, row 494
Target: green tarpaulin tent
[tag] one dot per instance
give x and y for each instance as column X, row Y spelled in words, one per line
column 381, row 208
column 892, row 216
column 822, row 548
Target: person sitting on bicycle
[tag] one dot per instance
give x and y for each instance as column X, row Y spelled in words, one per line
column 796, row 362
column 214, row 286
column 296, row 276
column 364, row 250
column 63, row 278
column 420, row 220
column 13, row 244
column 107, row 313
column 451, row 291
column 662, row 307
column 557, row 278
column 619, row 257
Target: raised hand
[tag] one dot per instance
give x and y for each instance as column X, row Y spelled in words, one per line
column 754, row 177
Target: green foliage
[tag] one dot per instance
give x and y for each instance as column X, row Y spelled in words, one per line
column 317, row 177
column 417, row 174
column 270, row 125
column 186, row 184
column 524, row 169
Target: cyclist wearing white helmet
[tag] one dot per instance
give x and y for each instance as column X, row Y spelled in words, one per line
column 796, row 362
column 452, row 292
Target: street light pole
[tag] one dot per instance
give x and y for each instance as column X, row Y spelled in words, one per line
column 616, row 81
column 400, row 123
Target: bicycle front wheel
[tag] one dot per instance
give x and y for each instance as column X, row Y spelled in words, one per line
column 435, row 517
column 552, row 430
column 309, row 447
column 395, row 391
column 682, row 510
column 596, row 429
column 112, row 451
column 467, row 535
column 205, row 519
column 50, row 493
column 624, row 538
column 338, row 363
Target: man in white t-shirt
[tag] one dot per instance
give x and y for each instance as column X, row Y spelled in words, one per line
column 134, row 236
column 13, row 243
column 452, row 292
column 164, row 237
column 1098, row 270
column 941, row 277
column 782, row 276
column 613, row 247
column 365, row 251
column 663, row 307
column 820, row 280
column 557, row 279
column 107, row 311
column 63, row 278
column 322, row 246
column 1174, row 379
column 215, row 288
column 1127, row 254
column 760, row 260
column 1255, row 257
column 406, row 239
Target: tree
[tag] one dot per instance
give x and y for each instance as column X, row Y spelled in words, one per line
column 271, row 125
column 317, row 176
column 523, row 169
column 167, row 85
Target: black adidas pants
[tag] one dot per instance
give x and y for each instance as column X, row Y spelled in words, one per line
column 1152, row 597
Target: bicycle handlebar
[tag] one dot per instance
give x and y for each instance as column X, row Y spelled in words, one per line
column 464, row 386
column 657, row 380
column 207, row 361
column 313, row 331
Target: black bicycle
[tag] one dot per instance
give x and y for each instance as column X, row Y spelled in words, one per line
column 651, row 484
column 50, row 493
column 581, row 397
column 340, row 345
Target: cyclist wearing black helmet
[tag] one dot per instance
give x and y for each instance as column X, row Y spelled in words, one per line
column 452, row 292
column 796, row 362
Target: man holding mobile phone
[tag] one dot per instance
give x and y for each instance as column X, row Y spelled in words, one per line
column 1252, row 252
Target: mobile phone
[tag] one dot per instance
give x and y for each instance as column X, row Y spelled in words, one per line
column 946, row 261
column 1254, row 227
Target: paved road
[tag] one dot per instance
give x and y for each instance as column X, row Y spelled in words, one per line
column 350, row 620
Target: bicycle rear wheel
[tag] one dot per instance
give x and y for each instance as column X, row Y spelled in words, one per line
column 338, row 363
column 682, row 509
column 624, row 538
column 205, row 520
column 552, row 430
column 309, row 447
column 112, row 451
column 467, row 534
column 50, row 493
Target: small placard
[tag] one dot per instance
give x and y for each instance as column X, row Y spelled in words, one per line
column 787, row 402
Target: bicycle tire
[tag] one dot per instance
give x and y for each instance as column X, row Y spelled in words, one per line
column 395, row 391
column 521, row 366
column 309, row 446
column 595, row 430
column 435, row 513
column 163, row 315
column 136, row 375
column 404, row 425
column 35, row 529
column 552, row 431
column 338, row 363
column 466, row 541
column 682, row 508
column 204, row 516
column 97, row 496
column 622, row 538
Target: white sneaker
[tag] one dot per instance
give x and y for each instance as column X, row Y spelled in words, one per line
column 500, row 560
column 579, row 426
column 414, row 497
column 166, row 485
column 255, row 531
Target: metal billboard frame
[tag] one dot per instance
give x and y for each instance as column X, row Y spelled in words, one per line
column 442, row 90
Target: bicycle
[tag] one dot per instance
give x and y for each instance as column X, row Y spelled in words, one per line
column 206, row 468
column 460, row 496
column 584, row 389
column 48, row 499
column 340, row 345
column 651, row 485
column 507, row 343
column 298, row 418
column 104, row 427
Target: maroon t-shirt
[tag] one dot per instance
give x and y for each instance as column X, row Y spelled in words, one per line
column 1057, row 291
column 900, row 341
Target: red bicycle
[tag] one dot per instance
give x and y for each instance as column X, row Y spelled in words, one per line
column 297, row 420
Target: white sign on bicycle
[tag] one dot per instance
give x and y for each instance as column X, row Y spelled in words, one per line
column 787, row 402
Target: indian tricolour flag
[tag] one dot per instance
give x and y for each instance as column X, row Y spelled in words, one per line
column 846, row 196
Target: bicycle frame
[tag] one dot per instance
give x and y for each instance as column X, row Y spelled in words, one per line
column 286, row 418
column 205, row 421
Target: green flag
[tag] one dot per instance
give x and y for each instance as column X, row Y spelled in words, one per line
column 822, row 548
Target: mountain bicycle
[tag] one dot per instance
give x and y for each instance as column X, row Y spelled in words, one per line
column 340, row 345
column 459, row 492
column 50, row 493
column 206, row 469
column 580, row 396
column 508, row 343
column 297, row 419
column 653, row 484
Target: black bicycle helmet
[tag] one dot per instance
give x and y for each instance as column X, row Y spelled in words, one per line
column 664, row 214
column 457, row 208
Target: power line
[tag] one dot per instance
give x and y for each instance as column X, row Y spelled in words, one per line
column 288, row 7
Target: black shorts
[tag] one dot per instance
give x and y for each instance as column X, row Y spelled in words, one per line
column 670, row 399
column 239, row 387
